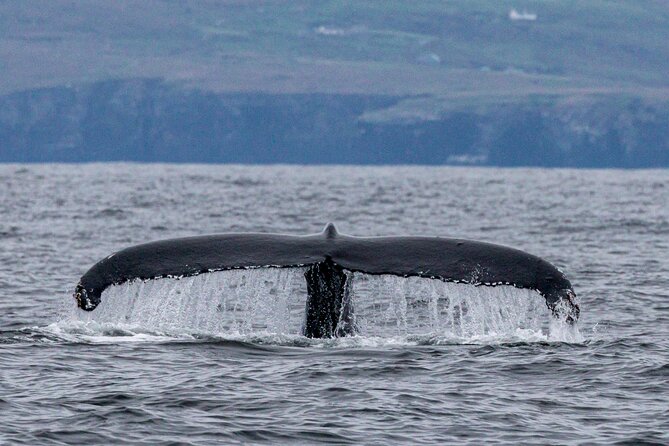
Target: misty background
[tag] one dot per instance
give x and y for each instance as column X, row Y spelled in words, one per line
column 505, row 83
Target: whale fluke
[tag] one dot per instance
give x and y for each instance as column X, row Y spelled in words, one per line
column 329, row 257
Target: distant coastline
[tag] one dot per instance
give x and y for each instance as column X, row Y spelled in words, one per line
column 148, row 120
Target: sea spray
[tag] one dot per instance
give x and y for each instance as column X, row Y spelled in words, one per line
column 269, row 304
column 236, row 302
column 389, row 306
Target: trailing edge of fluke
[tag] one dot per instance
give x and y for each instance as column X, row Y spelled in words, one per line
column 328, row 257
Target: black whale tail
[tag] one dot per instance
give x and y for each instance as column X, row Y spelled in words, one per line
column 330, row 258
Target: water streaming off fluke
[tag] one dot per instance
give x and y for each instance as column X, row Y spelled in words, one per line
column 234, row 302
column 271, row 301
column 390, row 306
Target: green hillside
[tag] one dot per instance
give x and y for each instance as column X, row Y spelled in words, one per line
column 381, row 47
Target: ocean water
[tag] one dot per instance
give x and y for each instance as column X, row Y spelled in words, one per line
column 218, row 359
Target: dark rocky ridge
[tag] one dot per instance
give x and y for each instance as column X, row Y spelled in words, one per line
column 151, row 120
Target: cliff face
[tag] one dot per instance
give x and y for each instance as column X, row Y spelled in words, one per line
column 149, row 120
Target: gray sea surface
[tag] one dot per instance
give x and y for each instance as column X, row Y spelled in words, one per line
column 169, row 363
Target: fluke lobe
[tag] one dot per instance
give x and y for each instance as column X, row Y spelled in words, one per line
column 329, row 256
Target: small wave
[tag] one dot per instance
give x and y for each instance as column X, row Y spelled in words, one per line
column 106, row 333
column 111, row 213
column 661, row 371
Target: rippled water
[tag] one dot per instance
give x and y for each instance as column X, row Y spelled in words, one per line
column 156, row 364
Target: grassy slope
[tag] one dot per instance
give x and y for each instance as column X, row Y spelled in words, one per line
column 381, row 47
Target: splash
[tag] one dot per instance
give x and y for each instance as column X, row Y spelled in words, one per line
column 391, row 305
column 236, row 302
column 267, row 305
